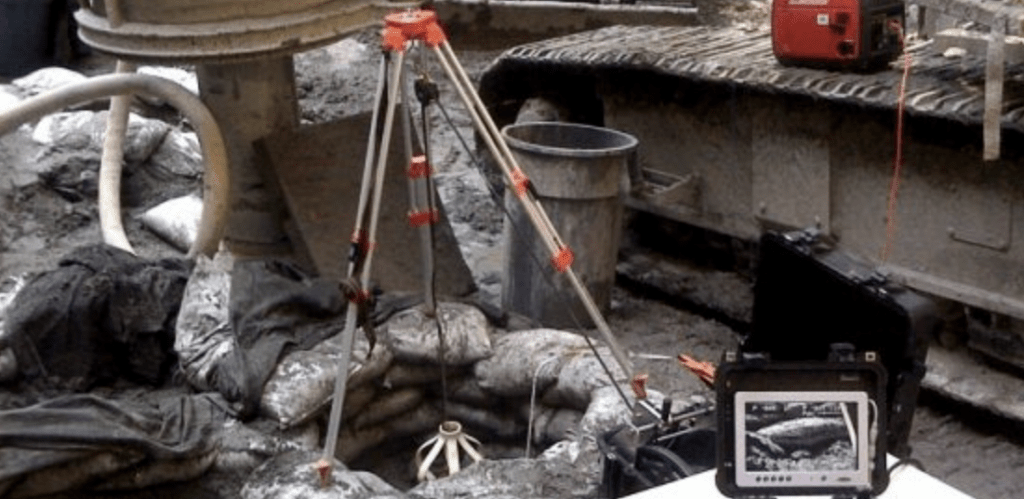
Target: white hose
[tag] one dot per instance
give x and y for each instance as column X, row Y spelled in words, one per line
column 216, row 177
column 110, row 168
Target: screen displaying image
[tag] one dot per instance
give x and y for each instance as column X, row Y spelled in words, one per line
column 800, row 435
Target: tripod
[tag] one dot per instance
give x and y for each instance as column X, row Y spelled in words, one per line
column 404, row 31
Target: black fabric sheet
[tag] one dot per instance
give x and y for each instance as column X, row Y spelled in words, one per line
column 102, row 314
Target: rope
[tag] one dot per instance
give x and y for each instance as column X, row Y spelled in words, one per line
column 894, row 185
column 533, row 398
column 363, row 301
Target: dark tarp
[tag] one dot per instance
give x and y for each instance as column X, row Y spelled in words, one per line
column 85, row 441
column 275, row 307
column 102, row 314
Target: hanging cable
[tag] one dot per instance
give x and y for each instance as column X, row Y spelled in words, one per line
column 426, row 93
column 897, row 167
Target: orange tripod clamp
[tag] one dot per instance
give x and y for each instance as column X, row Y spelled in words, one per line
column 401, row 27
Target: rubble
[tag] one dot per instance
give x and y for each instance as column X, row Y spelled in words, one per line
column 46, row 79
column 291, row 475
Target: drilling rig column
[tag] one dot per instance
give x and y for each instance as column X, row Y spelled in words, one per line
column 257, row 98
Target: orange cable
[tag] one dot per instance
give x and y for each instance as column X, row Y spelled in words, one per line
column 894, row 185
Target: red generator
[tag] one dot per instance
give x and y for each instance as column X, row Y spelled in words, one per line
column 859, row 34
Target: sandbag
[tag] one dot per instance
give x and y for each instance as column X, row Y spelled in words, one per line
column 552, row 424
column 510, row 371
column 272, row 308
column 402, row 375
column 414, row 337
column 518, row 478
column 607, row 410
column 79, row 441
column 291, row 475
column 387, row 405
column 179, row 154
column 208, row 354
column 563, row 424
column 46, row 79
column 356, row 399
column 180, row 76
column 498, row 423
column 302, row 384
column 175, row 220
column 76, row 472
column 351, row 442
column 465, row 389
column 573, row 468
column 85, row 130
column 9, row 288
column 580, row 375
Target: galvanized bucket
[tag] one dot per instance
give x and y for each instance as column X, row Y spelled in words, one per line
column 577, row 172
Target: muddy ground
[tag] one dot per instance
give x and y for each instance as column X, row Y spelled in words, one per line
column 38, row 225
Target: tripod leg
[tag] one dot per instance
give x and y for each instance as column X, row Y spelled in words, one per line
column 389, row 121
column 325, row 465
column 358, row 237
column 477, row 106
column 489, row 131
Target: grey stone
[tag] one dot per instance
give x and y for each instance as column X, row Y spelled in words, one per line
column 292, row 476
column 570, row 469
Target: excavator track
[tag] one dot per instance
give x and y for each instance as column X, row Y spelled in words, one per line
column 942, row 87
column 752, row 145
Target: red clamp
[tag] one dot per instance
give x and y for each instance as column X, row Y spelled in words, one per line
column 360, row 240
column 359, row 297
column 639, row 384
column 401, row 27
column 421, row 218
column 418, row 167
column 704, row 370
column 563, row 259
column 520, row 182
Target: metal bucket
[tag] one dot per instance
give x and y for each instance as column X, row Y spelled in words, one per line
column 577, row 172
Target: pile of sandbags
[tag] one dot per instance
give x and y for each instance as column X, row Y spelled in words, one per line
column 491, row 377
column 503, row 387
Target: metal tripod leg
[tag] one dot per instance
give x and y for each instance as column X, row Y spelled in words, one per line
column 362, row 244
column 489, row 132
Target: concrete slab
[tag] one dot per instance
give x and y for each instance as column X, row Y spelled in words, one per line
column 957, row 376
column 319, row 170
